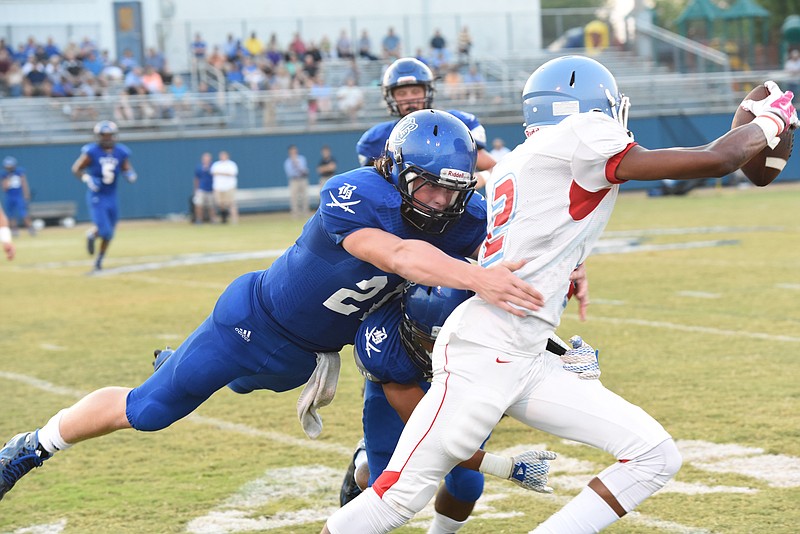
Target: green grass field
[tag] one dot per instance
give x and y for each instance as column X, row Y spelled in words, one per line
column 705, row 335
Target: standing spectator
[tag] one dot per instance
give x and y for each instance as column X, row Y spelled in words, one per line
column 5, row 236
column 464, row 45
column 326, row 166
column 499, row 149
column 203, row 197
column 296, row 169
column 231, row 48
column 365, row 46
column 253, row 45
column 199, row 48
column 99, row 167
column 391, row 45
column 439, row 55
column 225, row 177
column 18, row 194
column 792, row 69
column 217, row 59
column 344, row 47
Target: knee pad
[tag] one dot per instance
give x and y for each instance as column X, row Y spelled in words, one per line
column 464, row 484
column 633, row 481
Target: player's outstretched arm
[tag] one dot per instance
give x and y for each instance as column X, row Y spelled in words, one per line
column 423, row 263
column 774, row 115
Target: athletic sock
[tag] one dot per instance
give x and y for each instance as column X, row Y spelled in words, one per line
column 50, row 436
column 444, row 525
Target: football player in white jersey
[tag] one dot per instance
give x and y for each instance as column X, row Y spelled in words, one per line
column 549, row 201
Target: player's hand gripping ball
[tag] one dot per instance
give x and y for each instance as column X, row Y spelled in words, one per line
column 765, row 166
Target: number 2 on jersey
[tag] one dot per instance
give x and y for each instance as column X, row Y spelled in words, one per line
column 501, row 211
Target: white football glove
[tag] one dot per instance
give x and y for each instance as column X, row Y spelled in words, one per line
column 581, row 359
column 531, row 470
column 777, row 103
column 87, row 179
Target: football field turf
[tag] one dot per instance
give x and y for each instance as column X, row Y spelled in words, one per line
column 695, row 310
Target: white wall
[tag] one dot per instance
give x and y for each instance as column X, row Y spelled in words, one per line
column 493, row 25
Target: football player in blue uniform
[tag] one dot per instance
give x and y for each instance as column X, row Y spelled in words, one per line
column 100, row 166
column 407, row 86
column 406, row 218
column 392, row 351
column 18, row 194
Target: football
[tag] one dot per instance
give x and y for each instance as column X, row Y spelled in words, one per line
column 765, row 166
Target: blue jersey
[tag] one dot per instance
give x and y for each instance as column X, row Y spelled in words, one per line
column 105, row 166
column 12, row 181
column 373, row 142
column 317, row 292
column 205, row 180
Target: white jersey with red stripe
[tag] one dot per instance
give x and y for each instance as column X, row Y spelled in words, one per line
column 548, row 202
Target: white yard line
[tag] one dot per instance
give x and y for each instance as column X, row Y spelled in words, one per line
column 699, row 329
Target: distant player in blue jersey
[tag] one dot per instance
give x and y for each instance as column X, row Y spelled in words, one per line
column 408, row 217
column 392, row 351
column 407, row 86
column 100, row 166
column 17, row 193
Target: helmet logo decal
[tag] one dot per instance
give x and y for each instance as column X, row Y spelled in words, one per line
column 456, row 174
column 403, row 130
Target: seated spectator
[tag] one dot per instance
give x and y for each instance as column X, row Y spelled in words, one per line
column 5, row 66
column 464, row 45
column 15, row 80
column 128, row 61
column 152, row 81
column 35, row 81
column 86, row 46
column 310, row 66
column 72, row 65
column 231, row 48
column 365, row 46
column 344, row 47
column 179, row 93
column 92, row 63
column 134, row 84
column 274, row 55
column 325, row 47
column 350, row 99
column 297, row 45
column 391, row 45
column 453, row 84
column 319, row 98
column 154, row 58
column 253, row 76
column 217, row 59
column 233, row 73
column 475, row 84
column 51, row 49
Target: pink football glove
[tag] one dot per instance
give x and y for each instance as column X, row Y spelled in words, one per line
column 777, row 103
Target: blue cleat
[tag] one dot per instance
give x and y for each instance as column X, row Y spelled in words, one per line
column 21, row 454
column 350, row 489
column 161, row 357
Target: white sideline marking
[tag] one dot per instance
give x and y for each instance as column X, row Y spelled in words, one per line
column 50, row 346
column 696, row 230
column 600, row 248
column 698, row 294
column 700, row 329
column 51, row 528
column 787, row 286
column 191, row 259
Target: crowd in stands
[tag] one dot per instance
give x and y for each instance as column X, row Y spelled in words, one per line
column 36, row 69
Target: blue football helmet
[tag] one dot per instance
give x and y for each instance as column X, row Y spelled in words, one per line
column 407, row 71
column 9, row 162
column 106, row 132
column 431, row 148
column 425, row 309
column 568, row 85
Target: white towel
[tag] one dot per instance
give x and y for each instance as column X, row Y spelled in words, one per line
column 319, row 392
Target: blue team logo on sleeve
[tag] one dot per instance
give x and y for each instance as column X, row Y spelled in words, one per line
column 345, row 193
